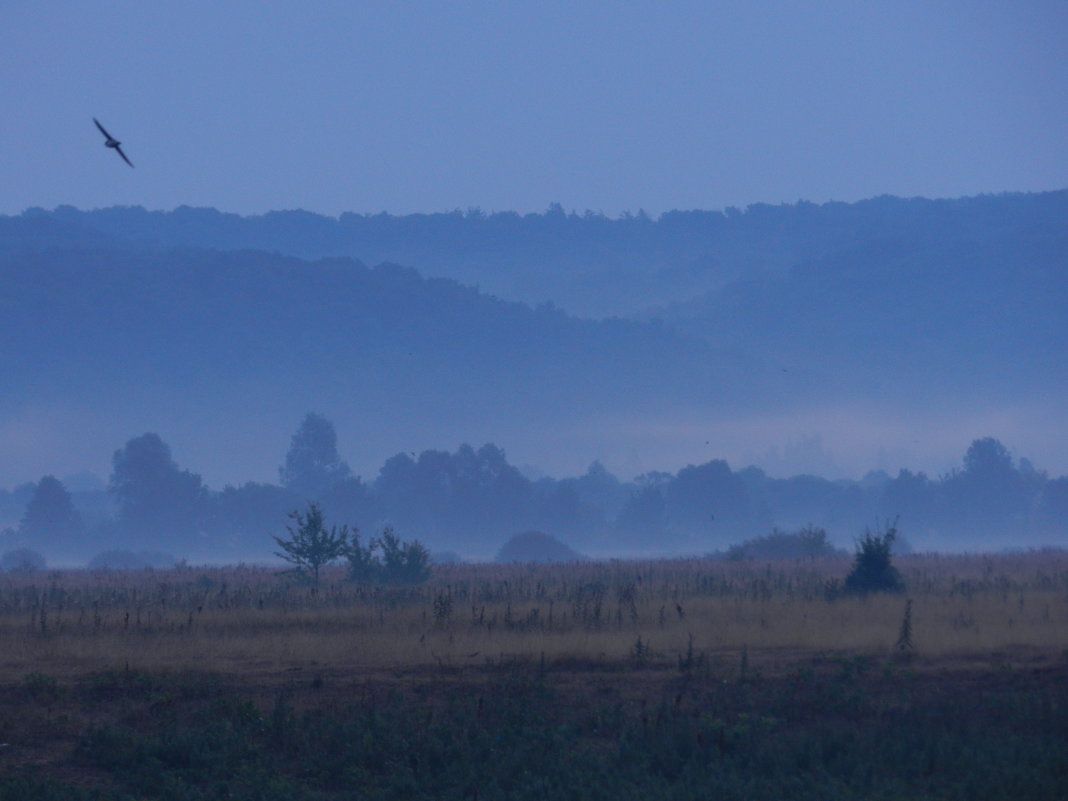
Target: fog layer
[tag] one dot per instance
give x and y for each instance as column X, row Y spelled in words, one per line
column 833, row 339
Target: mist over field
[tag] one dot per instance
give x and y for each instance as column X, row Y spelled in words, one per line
column 662, row 399
column 630, row 385
column 642, row 279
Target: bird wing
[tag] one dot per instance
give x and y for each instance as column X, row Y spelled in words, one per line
column 101, row 127
column 123, row 155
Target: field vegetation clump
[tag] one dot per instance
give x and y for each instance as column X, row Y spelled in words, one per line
column 872, row 570
column 311, row 546
column 810, row 541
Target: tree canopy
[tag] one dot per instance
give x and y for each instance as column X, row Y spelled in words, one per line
column 156, row 497
column 51, row 519
column 312, row 465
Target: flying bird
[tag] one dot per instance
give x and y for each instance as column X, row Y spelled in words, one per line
column 112, row 142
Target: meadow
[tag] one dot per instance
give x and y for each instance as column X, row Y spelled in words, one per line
column 697, row 676
column 970, row 608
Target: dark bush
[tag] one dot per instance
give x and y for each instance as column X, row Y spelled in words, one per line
column 403, row 562
column 400, row 562
column 808, row 542
column 872, row 571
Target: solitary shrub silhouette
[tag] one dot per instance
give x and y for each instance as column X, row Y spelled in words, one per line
column 872, row 571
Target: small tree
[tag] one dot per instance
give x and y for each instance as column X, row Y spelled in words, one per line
column 872, row 571
column 311, row 545
column 403, row 562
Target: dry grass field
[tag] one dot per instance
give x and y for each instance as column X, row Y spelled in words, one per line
column 975, row 609
column 655, row 680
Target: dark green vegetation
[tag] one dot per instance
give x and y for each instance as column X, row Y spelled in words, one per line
column 872, row 571
column 827, row 729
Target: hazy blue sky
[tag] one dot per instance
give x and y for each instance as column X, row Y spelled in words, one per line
column 611, row 106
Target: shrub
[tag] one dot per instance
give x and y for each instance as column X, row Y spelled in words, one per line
column 388, row 559
column 872, row 571
column 403, row 562
column 808, row 542
column 364, row 564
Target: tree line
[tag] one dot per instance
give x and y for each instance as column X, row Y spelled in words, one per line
column 472, row 500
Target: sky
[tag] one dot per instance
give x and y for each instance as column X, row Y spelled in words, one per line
column 608, row 106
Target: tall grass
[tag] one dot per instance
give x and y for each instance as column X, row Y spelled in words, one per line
column 1005, row 607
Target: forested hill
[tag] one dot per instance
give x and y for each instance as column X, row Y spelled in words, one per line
column 983, row 318
column 861, row 324
column 587, row 263
column 206, row 346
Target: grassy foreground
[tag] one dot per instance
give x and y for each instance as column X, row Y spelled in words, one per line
column 667, row 679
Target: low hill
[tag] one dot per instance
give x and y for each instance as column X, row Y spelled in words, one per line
column 589, row 264
column 914, row 325
column 227, row 350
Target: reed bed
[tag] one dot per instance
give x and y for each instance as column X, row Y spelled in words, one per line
column 254, row 619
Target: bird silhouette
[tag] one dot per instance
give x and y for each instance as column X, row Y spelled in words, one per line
column 112, row 142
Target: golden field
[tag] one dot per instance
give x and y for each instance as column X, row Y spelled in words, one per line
column 966, row 609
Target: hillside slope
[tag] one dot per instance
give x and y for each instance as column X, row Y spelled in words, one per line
column 589, row 264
